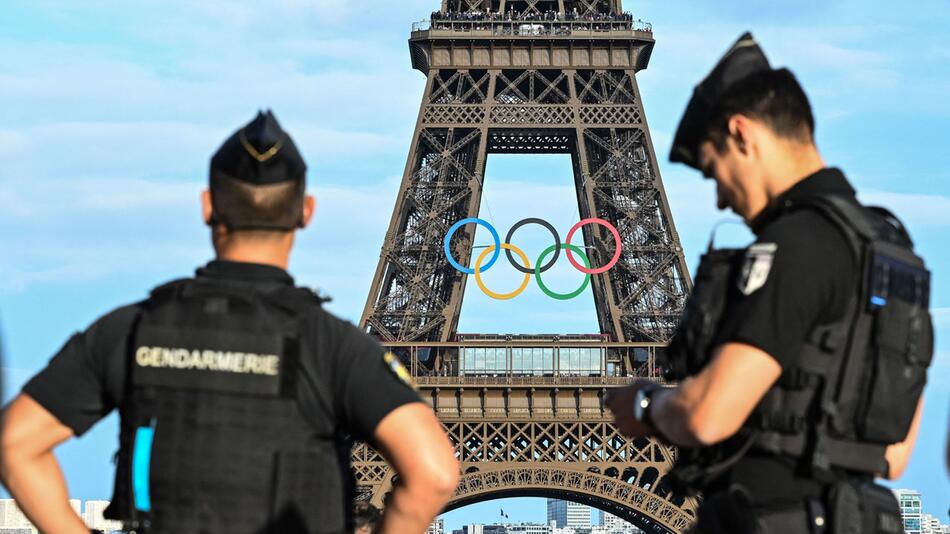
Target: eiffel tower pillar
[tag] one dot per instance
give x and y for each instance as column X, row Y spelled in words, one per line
column 538, row 84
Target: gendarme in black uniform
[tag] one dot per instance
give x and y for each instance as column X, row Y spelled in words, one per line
column 238, row 394
column 809, row 282
column 833, row 292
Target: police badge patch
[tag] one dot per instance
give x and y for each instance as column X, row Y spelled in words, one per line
column 756, row 267
column 399, row 369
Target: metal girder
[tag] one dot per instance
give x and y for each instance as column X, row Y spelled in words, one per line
column 544, row 440
column 537, row 435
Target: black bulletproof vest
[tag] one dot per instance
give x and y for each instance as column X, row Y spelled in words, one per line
column 857, row 381
column 212, row 439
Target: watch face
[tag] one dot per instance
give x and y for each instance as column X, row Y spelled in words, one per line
column 640, row 404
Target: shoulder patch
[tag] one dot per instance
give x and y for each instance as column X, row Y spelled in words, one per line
column 398, row 369
column 756, row 267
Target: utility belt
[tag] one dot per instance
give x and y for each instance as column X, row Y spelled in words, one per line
column 850, row 506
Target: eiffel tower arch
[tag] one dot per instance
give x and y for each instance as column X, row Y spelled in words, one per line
column 526, row 412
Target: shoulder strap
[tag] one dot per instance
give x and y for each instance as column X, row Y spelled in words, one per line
column 848, row 216
column 821, row 451
column 168, row 289
column 867, row 223
column 301, row 301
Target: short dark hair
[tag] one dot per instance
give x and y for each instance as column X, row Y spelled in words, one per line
column 240, row 205
column 774, row 97
column 365, row 515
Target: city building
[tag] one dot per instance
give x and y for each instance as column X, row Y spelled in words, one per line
column 11, row 517
column 932, row 525
column 13, row 521
column 909, row 501
column 478, row 528
column 93, row 516
column 528, row 528
column 614, row 525
column 568, row 514
column 437, row 527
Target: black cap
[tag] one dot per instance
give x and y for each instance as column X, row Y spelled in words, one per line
column 743, row 59
column 260, row 153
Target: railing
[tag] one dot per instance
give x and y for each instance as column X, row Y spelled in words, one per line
column 524, row 361
column 533, row 28
column 525, row 380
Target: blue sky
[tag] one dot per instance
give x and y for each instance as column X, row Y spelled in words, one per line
column 110, row 111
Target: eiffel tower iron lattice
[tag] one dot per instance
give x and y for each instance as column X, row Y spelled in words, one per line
column 529, row 77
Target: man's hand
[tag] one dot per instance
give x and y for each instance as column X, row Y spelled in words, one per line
column 415, row 444
column 620, row 402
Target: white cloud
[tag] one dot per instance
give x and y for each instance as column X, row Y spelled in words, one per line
column 12, row 144
column 344, row 239
column 941, row 317
column 94, row 261
column 62, row 198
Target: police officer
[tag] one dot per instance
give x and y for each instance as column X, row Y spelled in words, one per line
column 800, row 360
column 237, row 392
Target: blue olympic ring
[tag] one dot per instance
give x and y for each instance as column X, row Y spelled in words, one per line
column 451, row 232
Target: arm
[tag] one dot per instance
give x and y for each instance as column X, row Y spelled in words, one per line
column 711, row 406
column 414, row 443
column 898, row 454
column 29, row 469
column 706, row 408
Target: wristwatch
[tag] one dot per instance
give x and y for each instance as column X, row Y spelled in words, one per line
column 643, row 402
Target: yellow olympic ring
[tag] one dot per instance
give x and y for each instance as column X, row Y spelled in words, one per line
column 502, row 296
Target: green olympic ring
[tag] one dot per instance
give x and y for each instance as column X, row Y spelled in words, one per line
column 544, row 288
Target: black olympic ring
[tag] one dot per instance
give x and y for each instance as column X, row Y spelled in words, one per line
column 542, row 222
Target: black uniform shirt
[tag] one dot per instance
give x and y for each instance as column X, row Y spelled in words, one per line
column 86, row 379
column 811, row 278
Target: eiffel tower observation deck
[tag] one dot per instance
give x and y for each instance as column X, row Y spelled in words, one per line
column 526, row 412
column 531, row 33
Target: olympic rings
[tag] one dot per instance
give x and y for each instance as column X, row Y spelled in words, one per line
column 526, row 268
column 456, row 226
column 492, row 294
column 562, row 296
column 613, row 260
column 542, row 222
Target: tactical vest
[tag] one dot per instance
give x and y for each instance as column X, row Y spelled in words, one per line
column 212, row 438
column 856, row 384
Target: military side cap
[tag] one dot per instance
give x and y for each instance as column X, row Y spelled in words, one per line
column 260, row 153
column 743, row 59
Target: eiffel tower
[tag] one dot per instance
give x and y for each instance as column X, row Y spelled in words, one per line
column 529, row 77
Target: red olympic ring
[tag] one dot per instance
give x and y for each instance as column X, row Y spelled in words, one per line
column 613, row 261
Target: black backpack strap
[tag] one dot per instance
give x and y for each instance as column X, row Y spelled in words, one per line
column 842, row 385
column 302, row 301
